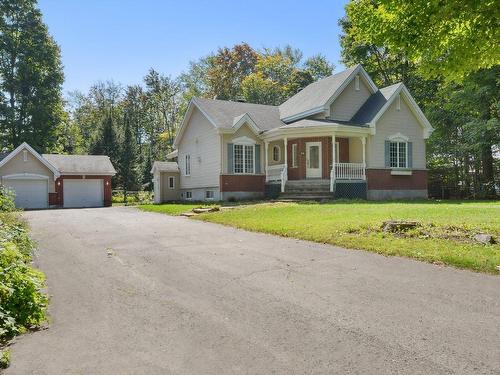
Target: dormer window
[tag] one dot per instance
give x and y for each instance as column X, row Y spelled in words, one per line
column 356, row 83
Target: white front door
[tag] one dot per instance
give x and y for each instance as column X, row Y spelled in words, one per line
column 83, row 193
column 313, row 159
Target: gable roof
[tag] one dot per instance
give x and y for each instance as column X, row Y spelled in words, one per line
column 165, row 166
column 25, row 146
column 81, row 164
column 374, row 104
column 315, row 97
column 379, row 102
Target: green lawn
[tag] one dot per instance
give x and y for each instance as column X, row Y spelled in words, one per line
column 445, row 236
column 174, row 209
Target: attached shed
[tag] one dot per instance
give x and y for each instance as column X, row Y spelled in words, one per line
column 43, row 181
column 166, row 181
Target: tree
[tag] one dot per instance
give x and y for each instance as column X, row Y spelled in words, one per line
column 107, row 144
column 128, row 159
column 31, row 107
column 448, row 39
column 318, row 67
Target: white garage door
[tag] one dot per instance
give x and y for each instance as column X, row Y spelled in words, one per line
column 30, row 193
column 83, row 193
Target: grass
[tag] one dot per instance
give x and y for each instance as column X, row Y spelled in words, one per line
column 445, row 236
column 174, row 209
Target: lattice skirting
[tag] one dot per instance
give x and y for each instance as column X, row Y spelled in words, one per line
column 350, row 190
column 272, row 191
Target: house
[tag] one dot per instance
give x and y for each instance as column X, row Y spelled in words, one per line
column 340, row 137
column 50, row 180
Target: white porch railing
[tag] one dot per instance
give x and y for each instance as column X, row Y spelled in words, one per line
column 277, row 173
column 350, row 171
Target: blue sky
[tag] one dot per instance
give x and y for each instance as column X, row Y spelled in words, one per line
column 121, row 39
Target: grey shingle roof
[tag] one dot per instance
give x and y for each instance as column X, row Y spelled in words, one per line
column 308, row 122
column 315, row 95
column 374, row 104
column 165, row 166
column 81, row 164
column 224, row 112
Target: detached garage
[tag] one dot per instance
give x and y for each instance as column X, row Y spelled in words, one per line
column 50, row 180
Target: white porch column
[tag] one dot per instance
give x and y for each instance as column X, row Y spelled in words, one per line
column 332, row 173
column 285, row 141
column 266, row 159
column 363, row 142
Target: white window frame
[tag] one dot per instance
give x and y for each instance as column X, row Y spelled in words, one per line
column 398, row 155
column 244, row 167
column 207, row 194
column 191, row 195
column 187, row 165
column 171, row 178
column 295, row 160
column 279, row 153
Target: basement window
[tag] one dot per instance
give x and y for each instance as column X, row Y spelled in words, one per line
column 209, row 194
column 189, row 195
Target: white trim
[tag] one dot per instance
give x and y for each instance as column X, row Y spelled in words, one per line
column 401, row 172
column 25, row 146
column 356, row 83
column 245, row 119
column 320, row 158
column 25, row 155
column 173, row 154
column 310, row 131
column 295, row 155
column 304, row 114
column 279, row 153
column 25, row 176
column 398, row 137
column 398, row 142
column 192, row 104
column 244, row 141
column 428, row 129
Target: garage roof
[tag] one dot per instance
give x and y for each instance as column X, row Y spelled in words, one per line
column 81, row 164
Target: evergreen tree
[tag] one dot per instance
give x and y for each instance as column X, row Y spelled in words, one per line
column 128, row 160
column 31, row 76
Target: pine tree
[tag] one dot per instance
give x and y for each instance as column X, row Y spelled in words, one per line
column 128, row 160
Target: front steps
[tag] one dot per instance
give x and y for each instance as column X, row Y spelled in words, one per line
column 307, row 190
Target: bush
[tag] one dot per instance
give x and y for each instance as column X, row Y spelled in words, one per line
column 23, row 303
column 6, row 199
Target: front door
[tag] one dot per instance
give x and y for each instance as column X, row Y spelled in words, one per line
column 313, row 159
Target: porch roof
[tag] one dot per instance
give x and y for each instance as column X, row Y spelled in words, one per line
column 308, row 123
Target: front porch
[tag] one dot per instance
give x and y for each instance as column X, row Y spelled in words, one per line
column 330, row 159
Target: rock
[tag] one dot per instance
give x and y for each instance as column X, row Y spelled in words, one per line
column 201, row 210
column 188, row 214
column 399, row 225
column 497, row 268
column 487, row 239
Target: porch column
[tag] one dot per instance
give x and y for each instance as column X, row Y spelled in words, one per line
column 266, row 153
column 285, row 141
column 332, row 173
column 363, row 142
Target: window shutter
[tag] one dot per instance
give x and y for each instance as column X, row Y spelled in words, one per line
column 410, row 154
column 387, row 154
column 230, row 166
column 257, row 159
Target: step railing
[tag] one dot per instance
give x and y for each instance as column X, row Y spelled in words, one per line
column 277, row 173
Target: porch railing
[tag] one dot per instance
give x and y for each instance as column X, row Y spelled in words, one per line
column 350, row 171
column 347, row 171
column 277, row 173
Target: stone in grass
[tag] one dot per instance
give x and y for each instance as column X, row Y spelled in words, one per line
column 188, row 214
column 484, row 238
column 399, row 225
column 201, row 210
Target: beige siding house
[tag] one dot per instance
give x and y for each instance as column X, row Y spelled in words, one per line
column 340, row 137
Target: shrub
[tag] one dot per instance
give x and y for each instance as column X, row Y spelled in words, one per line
column 23, row 303
column 6, row 199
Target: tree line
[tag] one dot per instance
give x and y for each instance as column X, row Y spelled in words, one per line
column 450, row 75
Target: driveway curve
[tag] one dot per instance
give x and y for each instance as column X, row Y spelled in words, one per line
column 144, row 293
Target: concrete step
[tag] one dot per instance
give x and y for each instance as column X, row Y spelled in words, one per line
column 304, row 197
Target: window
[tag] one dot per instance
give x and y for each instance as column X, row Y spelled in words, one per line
column 244, row 161
column 171, row 182
column 187, row 169
column 398, row 103
column 209, row 194
column 398, row 154
column 276, row 153
column 25, row 155
column 294, row 155
column 189, row 195
column 356, row 83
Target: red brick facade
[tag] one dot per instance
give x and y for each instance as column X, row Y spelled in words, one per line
column 381, row 179
column 57, row 198
column 244, row 183
column 299, row 172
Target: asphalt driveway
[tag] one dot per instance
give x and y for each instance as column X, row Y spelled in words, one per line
column 144, row 293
